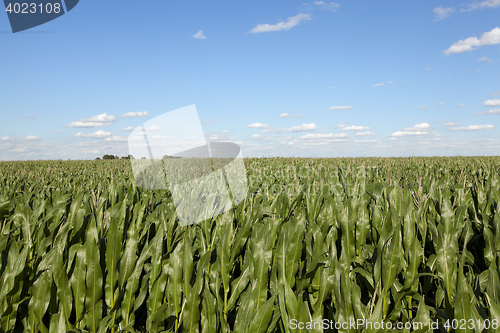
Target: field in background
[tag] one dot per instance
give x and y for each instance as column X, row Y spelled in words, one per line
column 392, row 239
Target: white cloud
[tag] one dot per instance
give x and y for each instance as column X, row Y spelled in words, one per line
column 364, row 133
column 56, row 131
column 421, row 107
column 134, row 114
column 451, row 124
column 153, row 128
column 285, row 115
column 104, row 117
column 355, row 128
column 32, row 138
column 482, row 4
column 208, row 121
column 492, row 102
column 473, row 128
column 30, row 117
column 256, row 136
column 5, row 138
column 258, row 125
column 419, row 127
column 82, row 124
column 485, row 58
column 332, row 87
column 417, row 130
column 332, row 6
column 472, row 43
column 290, row 23
column 115, row 138
column 97, row 134
column 93, row 121
column 390, row 82
column 496, row 93
column 323, row 136
column 441, row 103
column 340, row 107
column 304, row 128
column 378, row 85
column 460, row 104
column 365, row 141
column 128, row 129
column 199, row 35
column 491, row 111
column 408, row 133
column 442, row 12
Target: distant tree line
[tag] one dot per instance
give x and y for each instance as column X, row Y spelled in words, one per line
column 115, row 157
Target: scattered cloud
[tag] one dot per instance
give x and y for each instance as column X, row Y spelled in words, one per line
column 492, row 102
column 290, row 23
column 390, row 82
column 104, row 117
column 486, row 59
column 473, row 43
column 285, row 115
column 452, row 123
column 97, row 134
column 366, row 141
column 365, row 133
column 208, row 121
column 427, row 68
column 331, row 6
column 30, row 117
column 222, row 136
column 419, row 127
column 153, row 128
column 258, row 125
column 56, row 131
column 323, row 136
column 441, row 103
column 128, row 129
column 304, row 128
column 417, row 130
column 378, row 85
column 491, row 111
column 421, row 107
column 482, row 4
column 82, row 124
column 473, row 128
column 134, row 114
column 460, row 104
column 442, row 13
column 300, row 128
column 408, row 133
column 115, row 138
column 496, row 93
column 332, row 87
column 32, row 138
column 355, row 128
column 94, row 121
column 340, row 107
column 5, row 138
column 199, row 35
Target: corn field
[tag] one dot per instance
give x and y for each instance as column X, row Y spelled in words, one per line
column 83, row 249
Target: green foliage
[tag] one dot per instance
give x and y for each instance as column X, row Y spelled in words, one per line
column 393, row 239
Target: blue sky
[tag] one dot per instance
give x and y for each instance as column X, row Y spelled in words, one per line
column 280, row 78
